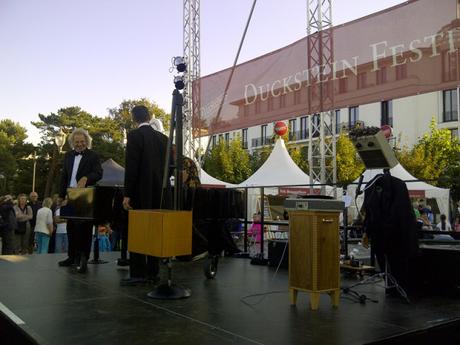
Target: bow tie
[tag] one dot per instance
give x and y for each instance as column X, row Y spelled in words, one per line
column 78, row 153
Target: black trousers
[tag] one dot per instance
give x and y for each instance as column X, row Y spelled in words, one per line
column 143, row 266
column 80, row 235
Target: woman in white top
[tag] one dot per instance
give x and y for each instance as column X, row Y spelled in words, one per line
column 444, row 225
column 44, row 226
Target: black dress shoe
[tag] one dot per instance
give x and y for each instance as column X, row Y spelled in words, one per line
column 132, row 281
column 83, row 265
column 66, row 263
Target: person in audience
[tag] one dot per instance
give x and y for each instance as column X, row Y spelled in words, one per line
column 61, row 241
column 255, row 230
column 444, row 225
column 457, row 224
column 24, row 215
column 52, row 246
column 44, row 226
column 426, row 224
column 9, row 224
column 104, row 232
column 35, row 205
column 416, row 211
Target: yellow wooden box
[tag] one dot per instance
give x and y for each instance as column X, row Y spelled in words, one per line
column 161, row 233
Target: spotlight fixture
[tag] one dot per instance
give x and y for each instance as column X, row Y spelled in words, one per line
column 179, row 82
column 180, row 64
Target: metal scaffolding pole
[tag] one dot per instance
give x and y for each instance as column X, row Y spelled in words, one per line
column 191, row 26
column 322, row 124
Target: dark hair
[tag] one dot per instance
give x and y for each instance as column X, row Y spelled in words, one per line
column 140, row 114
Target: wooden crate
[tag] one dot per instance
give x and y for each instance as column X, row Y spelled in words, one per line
column 314, row 255
column 161, row 233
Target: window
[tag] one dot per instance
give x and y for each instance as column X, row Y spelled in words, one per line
column 337, row 121
column 353, row 116
column 227, row 138
column 449, row 66
column 401, row 72
column 221, row 137
column 362, row 80
column 282, row 100
column 263, row 134
column 214, row 140
column 454, row 133
column 303, row 127
column 297, row 97
column 381, row 75
column 386, row 113
column 244, row 138
column 343, row 85
column 316, row 122
column 270, row 103
column 292, row 129
column 450, row 107
column 258, row 106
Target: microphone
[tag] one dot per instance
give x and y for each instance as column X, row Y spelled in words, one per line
column 360, row 182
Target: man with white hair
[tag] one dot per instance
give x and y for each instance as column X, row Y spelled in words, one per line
column 81, row 168
column 157, row 125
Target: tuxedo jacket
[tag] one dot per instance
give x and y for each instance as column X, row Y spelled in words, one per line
column 144, row 168
column 90, row 166
column 389, row 217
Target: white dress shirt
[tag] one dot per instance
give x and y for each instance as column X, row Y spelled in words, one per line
column 76, row 164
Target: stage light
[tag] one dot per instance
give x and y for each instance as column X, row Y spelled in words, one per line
column 180, row 64
column 179, row 82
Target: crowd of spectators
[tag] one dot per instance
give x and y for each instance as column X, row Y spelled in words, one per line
column 29, row 226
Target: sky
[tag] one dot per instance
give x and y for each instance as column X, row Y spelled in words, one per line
column 96, row 53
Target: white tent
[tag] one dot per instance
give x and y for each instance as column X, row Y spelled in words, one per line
column 440, row 194
column 208, row 180
column 278, row 170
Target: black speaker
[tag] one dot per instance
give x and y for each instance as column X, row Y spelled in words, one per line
column 276, row 248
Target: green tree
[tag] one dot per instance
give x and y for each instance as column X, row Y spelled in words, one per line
column 349, row 165
column 15, row 172
column 122, row 113
column 300, row 156
column 228, row 162
column 434, row 155
column 258, row 157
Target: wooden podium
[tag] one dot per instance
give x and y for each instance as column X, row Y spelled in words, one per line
column 160, row 233
column 314, row 255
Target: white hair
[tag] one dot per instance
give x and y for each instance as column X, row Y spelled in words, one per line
column 157, row 125
column 81, row 131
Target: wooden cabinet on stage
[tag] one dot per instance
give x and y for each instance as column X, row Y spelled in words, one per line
column 314, row 255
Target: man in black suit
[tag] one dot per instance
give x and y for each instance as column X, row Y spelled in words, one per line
column 144, row 170
column 81, row 168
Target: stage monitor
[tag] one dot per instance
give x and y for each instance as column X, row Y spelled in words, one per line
column 375, row 151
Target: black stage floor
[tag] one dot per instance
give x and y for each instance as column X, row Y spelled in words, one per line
column 54, row 305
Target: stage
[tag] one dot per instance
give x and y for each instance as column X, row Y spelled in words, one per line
column 47, row 304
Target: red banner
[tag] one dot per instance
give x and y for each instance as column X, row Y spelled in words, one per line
column 405, row 50
column 298, row 191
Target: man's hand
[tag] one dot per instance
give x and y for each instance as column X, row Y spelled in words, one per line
column 82, row 182
column 126, row 204
column 62, row 202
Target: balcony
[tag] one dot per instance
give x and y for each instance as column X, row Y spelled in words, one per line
column 257, row 142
